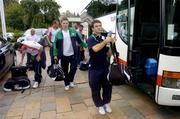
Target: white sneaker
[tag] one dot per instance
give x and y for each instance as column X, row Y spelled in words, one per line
column 66, row 87
column 108, row 108
column 101, row 110
column 72, row 85
column 36, row 84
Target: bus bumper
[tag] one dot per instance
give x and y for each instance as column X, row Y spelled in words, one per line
column 167, row 96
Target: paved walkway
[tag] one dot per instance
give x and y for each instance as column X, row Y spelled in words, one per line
column 50, row 101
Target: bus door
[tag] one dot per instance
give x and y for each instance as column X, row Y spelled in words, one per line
column 146, row 44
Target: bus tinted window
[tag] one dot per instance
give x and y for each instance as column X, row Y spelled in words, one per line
column 173, row 23
column 122, row 19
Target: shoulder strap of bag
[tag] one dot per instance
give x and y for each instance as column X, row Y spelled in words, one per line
column 114, row 52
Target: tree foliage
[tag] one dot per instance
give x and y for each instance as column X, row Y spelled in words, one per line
column 31, row 13
column 97, row 9
column 14, row 14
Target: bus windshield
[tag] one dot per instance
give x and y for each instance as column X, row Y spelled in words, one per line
column 173, row 23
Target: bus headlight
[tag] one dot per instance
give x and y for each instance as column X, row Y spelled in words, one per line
column 171, row 79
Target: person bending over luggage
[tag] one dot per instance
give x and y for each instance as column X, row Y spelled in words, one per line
column 98, row 68
column 36, row 50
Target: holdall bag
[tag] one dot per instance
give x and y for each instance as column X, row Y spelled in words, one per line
column 17, row 83
column 84, row 65
column 118, row 73
column 55, row 72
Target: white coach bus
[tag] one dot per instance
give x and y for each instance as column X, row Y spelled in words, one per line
column 148, row 40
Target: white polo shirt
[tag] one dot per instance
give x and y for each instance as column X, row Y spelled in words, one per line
column 67, row 44
column 31, row 47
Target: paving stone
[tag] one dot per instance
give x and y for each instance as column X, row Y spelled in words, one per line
column 48, row 115
column 75, row 99
column 48, row 99
column 98, row 116
column 66, row 115
column 17, row 117
column 19, row 104
column 45, row 107
column 117, row 113
column 122, row 103
column 7, row 100
column 142, row 107
column 155, row 116
column 4, row 110
column 146, row 110
column 86, row 93
column 83, row 85
column 132, row 113
column 1, row 96
column 2, row 116
column 15, row 112
column 116, row 96
column 31, row 114
column 79, row 107
column 63, row 104
column 89, row 102
column 32, row 106
column 93, row 110
column 82, row 115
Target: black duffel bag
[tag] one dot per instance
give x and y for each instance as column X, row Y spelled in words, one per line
column 17, row 83
column 118, row 73
column 55, row 72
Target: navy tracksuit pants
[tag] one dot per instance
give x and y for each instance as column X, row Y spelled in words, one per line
column 37, row 70
column 38, row 65
column 69, row 74
column 51, row 55
column 97, row 81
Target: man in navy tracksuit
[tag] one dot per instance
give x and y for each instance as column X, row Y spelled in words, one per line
column 98, row 68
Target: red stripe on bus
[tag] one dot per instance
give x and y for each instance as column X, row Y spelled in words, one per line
column 122, row 61
column 159, row 80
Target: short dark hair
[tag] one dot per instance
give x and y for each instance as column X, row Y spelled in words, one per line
column 94, row 22
column 81, row 25
column 63, row 19
column 17, row 45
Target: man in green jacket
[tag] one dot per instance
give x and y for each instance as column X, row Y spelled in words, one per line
column 65, row 49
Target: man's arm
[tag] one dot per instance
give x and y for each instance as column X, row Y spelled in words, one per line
column 80, row 41
column 38, row 58
column 22, row 58
column 100, row 46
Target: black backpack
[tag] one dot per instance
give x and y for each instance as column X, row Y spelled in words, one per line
column 17, row 71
